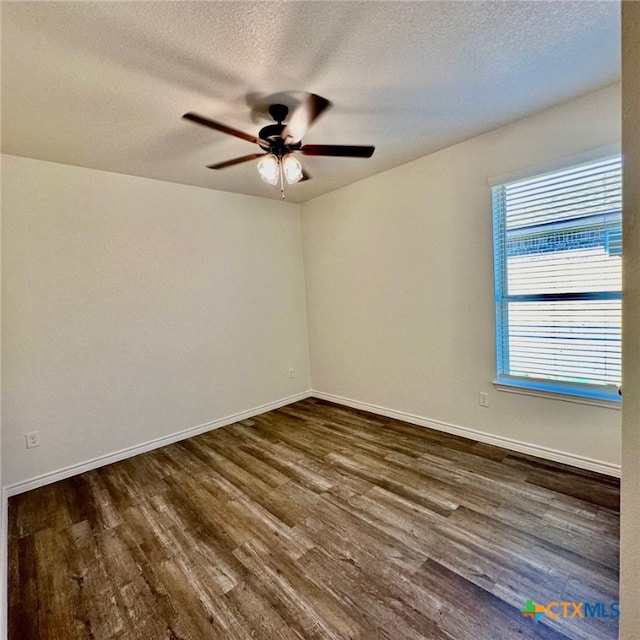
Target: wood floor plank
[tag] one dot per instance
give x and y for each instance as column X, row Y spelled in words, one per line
column 229, row 445
column 340, row 523
column 255, row 489
column 294, row 597
column 400, row 481
column 262, row 529
column 291, row 469
column 577, row 483
column 24, row 599
column 259, row 616
column 380, row 613
column 366, row 569
column 532, row 548
column 315, row 522
column 468, row 611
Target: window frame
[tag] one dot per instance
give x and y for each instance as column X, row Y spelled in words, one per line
column 602, row 395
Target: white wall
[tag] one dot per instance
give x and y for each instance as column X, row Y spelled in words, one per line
column 630, row 539
column 4, row 506
column 133, row 309
column 399, row 277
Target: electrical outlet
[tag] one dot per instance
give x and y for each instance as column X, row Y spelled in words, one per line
column 33, row 439
column 484, row 399
column 292, row 373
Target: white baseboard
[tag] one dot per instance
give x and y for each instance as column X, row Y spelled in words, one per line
column 582, row 462
column 4, row 563
column 129, row 452
column 538, row 451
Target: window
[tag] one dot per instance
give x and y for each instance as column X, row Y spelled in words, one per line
column 558, row 249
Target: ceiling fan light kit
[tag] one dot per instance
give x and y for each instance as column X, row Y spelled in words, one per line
column 281, row 140
column 273, row 170
column 292, row 169
column 269, row 168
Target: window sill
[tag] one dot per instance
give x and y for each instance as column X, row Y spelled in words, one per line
column 550, row 394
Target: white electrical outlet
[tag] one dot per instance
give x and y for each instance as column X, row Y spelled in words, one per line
column 292, row 373
column 33, row 439
column 484, row 399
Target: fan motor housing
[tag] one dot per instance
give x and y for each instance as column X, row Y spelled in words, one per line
column 271, row 132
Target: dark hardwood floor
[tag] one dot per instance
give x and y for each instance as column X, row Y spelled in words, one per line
column 315, row 522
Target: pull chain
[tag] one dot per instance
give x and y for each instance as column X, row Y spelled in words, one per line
column 281, row 179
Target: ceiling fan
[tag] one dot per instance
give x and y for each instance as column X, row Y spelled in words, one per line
column 280, row 141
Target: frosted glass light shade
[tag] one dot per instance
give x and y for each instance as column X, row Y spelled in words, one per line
column 269, row 169
column 292, row 169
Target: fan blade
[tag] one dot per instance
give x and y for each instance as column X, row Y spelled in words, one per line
column 304, row 116
column 205, row 122
column 230, row 163
column 345, row 150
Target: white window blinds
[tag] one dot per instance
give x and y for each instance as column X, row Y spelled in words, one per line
column 558, row 248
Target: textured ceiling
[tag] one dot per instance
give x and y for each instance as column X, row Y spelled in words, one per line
column 104, row 84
